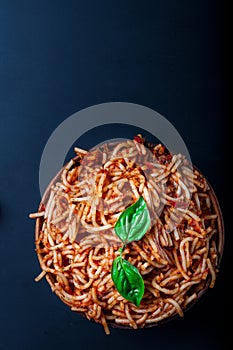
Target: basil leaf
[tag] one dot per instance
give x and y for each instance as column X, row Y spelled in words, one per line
column 127, row 280
column 133, row 223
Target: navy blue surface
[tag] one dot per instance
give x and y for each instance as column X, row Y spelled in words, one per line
column 57, row 57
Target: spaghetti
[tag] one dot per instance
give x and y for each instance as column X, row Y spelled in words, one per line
column 76, row 244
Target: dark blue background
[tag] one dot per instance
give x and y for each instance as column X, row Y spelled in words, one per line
column 57, row 57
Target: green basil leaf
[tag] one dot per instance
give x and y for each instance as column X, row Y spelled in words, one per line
column 127, row 280
column 133, row 223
